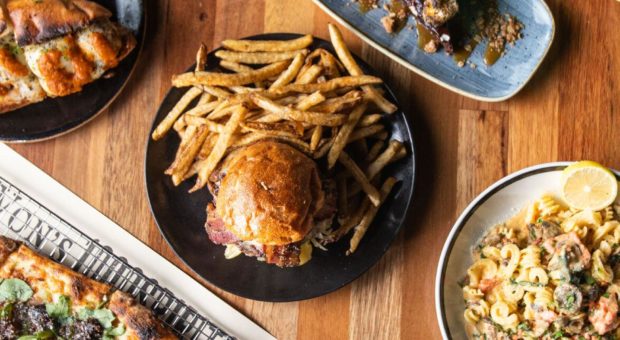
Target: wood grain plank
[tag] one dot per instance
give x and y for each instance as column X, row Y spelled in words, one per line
column 325, row 317
column 375, row 308
column 482, row 152
column 435, row 129
column 289, row 16
column 593, row 99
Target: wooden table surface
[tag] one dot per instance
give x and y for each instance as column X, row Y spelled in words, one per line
column 569, row 111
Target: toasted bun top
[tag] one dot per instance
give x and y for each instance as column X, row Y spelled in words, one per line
column 269, row 194
column 41, row 20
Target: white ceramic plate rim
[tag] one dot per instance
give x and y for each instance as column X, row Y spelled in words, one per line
column 426, row 75
column 460, row 223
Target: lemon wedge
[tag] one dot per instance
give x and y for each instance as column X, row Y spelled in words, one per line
column 589, row 185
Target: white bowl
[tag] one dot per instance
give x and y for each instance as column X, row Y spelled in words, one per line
column 496, row 204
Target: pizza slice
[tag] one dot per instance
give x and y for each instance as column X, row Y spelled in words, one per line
column 41, row 299
column 64, row 44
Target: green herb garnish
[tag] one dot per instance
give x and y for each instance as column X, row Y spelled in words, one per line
column 60, row 309
column 42, row 335
column 6, row 311
column 104, row 316
column 15, row 290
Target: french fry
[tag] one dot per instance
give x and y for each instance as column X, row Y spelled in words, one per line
column 204, row 109
column 186, row 137
column 291, row 72
column 219, row 113
column 374, row 151
column 369, row 216
column 392, row 153
column 400, row 154
column 331, row 64
column 239, row 68
column 317, row 133
column 368, row 131
column 201, row 57
column 179, row 126
column 223, row 141
column 174, row 114
column 330, row 85
column 257, row 58
column 277, row 135
column 228, row 79
column 297, row 115
column 323, row 148
column 205, row 98
column 269, row 118
column 369, row 120
column 188, row 155
column 310, row 75
column 349, row 63
column 234, row 66
column 215, row 91
column 205, row 150
column 353, row 220
column 268, row 127
column 310, row 101
column 340, row 141
column 384, row 159
column 360, row 177
column 243, row 89
column 268, row 45
column 200, row 121
column 337, row 104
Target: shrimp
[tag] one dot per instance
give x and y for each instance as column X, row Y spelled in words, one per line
column 604, row 315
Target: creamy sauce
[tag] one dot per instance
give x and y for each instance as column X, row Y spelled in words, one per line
column 9, row 62
column 60, row 81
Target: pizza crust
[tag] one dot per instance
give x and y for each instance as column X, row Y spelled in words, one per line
column 140, row 323
column 50, row 280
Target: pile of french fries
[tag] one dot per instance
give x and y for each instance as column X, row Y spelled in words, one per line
column 320, row 103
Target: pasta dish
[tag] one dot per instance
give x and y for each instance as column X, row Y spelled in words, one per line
column 550, row 272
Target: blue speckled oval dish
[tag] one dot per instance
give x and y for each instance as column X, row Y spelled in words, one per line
column 495, row 83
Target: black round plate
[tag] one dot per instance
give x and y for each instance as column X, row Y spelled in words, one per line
column 181, row 217
column 55, row 116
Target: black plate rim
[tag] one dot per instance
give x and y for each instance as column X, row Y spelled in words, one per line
column 55, row 133
column 371, row 264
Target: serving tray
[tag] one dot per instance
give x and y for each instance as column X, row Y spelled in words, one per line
column 496, row 83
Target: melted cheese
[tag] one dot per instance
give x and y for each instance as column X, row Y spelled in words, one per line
column 50, row 280
column 64, row 65
column 18, row 86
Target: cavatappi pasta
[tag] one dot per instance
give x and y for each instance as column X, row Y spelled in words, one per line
column 550, row 272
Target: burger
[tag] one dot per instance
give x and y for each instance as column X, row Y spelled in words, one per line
column 270, row 202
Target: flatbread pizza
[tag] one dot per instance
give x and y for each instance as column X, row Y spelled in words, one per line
column 41, row 299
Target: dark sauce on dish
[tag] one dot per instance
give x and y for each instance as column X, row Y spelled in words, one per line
column 492, row 55
column 424, row 35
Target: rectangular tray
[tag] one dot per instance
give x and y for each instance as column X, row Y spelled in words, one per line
column 496, row 83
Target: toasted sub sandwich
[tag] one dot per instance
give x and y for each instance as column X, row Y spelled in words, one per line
column 52, row 48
